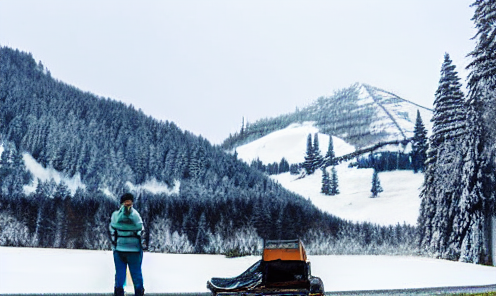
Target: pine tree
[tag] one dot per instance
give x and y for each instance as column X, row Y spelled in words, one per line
column 476, row 205
column 449, row 109
column 308, row 165
column 201, row 235
column 329, row 157
column 283, row 166
column 318, row 159
column 442, row 179
column 325, row 182
column 468, row 223
column 376, row 184
column 419, row 145
column 334, row 186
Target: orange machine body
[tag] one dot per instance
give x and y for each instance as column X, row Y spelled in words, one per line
column 291, row 250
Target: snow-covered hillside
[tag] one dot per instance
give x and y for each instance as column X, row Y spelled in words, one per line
column 46, row 174
column 394, row 115
column 290, row 143
column 399, row 203
column 29, row 270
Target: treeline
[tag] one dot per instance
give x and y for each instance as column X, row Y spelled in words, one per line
column 52, row 218
column 272, row 168
column 385, row 161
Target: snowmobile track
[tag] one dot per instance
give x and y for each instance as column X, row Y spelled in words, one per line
column 398, row 292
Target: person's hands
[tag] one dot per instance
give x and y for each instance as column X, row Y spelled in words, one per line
column 128, row 204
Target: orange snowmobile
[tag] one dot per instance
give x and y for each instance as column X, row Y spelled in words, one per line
column 283, row 270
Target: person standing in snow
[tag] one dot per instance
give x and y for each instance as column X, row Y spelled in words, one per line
column 125, row 228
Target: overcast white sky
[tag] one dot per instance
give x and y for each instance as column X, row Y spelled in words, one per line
column 206, row 64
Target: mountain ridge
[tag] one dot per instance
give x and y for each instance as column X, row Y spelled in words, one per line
column 361, row 114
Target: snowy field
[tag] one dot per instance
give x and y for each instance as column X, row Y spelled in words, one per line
column 399, row 203
column 26, row 270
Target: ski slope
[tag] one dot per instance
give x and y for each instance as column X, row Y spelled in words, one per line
column 30, row 270
column 399, row 203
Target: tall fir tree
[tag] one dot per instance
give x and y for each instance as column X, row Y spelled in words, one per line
column 376, row 185
column 334, row 186
column 476, row 204
column 442, row 179
column 308, row 164
column 419, row 145
column 449, row 106
column 329, row 157
column 325, row 189
column 318, row 160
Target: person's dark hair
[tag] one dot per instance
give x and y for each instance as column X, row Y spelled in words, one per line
column 127, row 196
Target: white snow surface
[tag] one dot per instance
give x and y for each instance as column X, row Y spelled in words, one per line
column 46, row 174
column 399, row 203
column 402, row 112
column 31, row 270
column 290, row 143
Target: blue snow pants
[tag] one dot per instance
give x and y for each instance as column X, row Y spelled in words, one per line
column 122, row 260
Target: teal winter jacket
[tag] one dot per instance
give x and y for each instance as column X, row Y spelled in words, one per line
column 125, row 230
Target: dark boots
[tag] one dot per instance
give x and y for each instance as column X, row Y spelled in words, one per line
column 118, row 291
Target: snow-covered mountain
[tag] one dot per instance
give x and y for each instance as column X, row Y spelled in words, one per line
column 399, row 203
column 394, row 116
column 361, row 115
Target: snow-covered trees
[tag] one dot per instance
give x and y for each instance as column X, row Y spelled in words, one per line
column 476, row 204
column 419, row 145
column 313, row 156
column 442, row 178
column 458, row 193
column 309, row 162
column 333, row 186
column 330, row 184
column 318, row 160
column 13, row 173
column 14, row 233
column 326, row 182
column 329, row 157
column 376, row 185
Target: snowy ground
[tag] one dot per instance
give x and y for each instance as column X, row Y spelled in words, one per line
column 26, row 270
column 399, row 203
